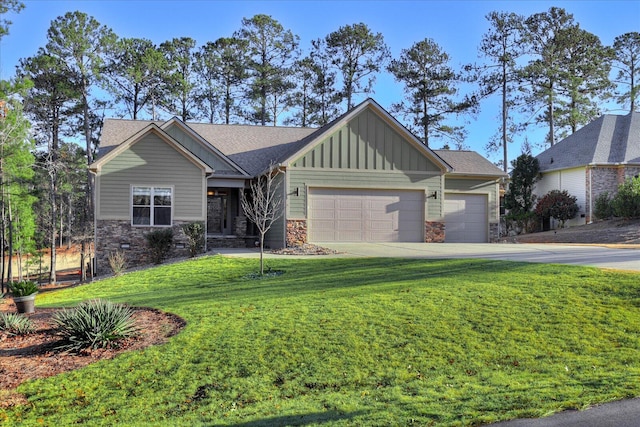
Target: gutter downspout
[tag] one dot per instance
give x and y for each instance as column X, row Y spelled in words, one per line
column 590, row 194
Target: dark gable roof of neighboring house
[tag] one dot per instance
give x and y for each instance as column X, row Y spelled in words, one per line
column 610, row 139
column 469, row 163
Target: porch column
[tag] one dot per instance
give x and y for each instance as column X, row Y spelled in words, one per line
column 240, row 221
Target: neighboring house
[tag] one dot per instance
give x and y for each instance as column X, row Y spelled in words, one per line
column 596, row 158
column 361, row 178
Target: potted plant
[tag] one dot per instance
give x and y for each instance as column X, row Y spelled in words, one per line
column 24, row 295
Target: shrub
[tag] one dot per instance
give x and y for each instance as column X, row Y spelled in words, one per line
column 557, row 204
column 525, row 222
column 23, row 288
column 159, row 243
column 195, row 234
column 118, row 262
column 93, row 324
column 603, row 208
column 626, row 203
column 16, row 324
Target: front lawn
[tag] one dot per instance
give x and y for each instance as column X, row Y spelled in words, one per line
column 355, row 342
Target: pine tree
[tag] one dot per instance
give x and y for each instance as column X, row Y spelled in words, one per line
column 627, row 61
column 272, row 52
column 359, row 55
column 430, row 86
column 502, row 46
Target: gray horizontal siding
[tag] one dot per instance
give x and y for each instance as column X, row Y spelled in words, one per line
column 477, row 186
column 366, row 142
column 276, row 236
column 301, row 179
column 151, row 162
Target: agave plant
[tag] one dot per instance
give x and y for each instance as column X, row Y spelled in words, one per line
column 16, row 324
column 94, row 324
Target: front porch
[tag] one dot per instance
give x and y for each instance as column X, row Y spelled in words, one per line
column 227, row 227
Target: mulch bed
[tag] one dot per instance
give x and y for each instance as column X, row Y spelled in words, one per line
column 34, row 355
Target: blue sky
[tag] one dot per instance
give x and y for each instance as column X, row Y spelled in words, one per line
column 457, row 26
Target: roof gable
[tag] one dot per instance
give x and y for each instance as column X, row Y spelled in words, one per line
column 610, row 139
column 152, row 128
column 369, row 138
column 201, row 148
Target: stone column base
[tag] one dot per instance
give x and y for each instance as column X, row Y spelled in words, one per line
column 434, row 232
column 296, row 232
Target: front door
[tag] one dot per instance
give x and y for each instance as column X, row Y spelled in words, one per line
column 218, row 212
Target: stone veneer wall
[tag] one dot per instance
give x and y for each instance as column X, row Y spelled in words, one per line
column 434, row 232
column 296, row 232
column 494, row 232
column 240, row 226
column 112, row 234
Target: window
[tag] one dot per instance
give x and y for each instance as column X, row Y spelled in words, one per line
column 151, row 206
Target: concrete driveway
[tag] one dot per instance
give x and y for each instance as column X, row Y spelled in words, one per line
column 587, row 255
column 626, row 258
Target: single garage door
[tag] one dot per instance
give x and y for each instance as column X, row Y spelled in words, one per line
column 466, row 218
column 360, row 215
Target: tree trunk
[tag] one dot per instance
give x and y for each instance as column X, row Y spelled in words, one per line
column 10, row 223
column 83, row 270
column 69, row 214
column 504, row 118
column 61, row 234
column 52, row 237
column 2, row 235
column 262, row 254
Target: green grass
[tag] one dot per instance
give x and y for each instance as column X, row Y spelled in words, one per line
column 355, row 342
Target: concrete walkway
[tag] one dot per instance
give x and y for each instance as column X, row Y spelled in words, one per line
column 627, row 258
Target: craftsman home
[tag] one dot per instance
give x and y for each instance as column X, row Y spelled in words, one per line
column 362, row 177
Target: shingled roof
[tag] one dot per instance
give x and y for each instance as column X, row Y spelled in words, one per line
column 464, row 162
column 610, row 139
column 252, row 148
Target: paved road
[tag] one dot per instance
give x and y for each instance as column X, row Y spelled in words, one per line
column 625, row 413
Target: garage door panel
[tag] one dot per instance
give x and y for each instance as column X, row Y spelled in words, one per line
column 466, row 218
column 361, row 215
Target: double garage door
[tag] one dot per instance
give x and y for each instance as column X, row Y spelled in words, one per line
column 466, row 218
column 359, row 215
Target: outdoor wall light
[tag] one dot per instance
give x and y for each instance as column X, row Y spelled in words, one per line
column 297, row 192
column 433, row 196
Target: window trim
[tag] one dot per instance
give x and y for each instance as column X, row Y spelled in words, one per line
column 151, row 206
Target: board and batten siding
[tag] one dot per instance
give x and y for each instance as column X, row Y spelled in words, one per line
column 150, row 161
column 366, row 153
column 300, row 179
column 366, row 142
column 203, row 153
column 490, row 187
